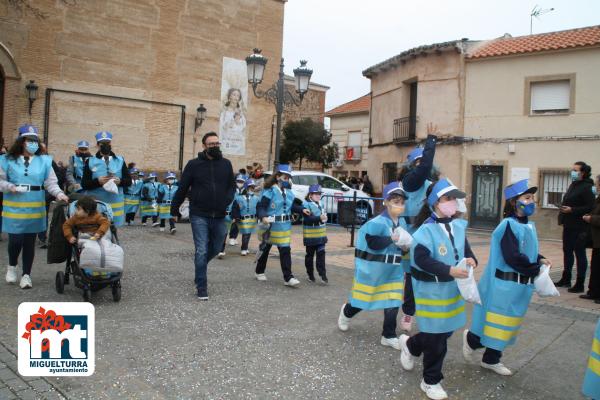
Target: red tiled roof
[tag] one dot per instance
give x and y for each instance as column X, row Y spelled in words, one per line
column 362, row 104
column 574, row 38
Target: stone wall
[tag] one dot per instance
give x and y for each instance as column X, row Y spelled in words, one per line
column 162, row 50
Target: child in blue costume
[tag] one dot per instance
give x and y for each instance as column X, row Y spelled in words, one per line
column 506, row 285
column 314, row 231
column 591, row 381
column 149, row 200
column 234, row 229
column 166, row 193
column 132, row 196
column 439, row 244
column 275, row 209
column 244, row 213
column 379, row 274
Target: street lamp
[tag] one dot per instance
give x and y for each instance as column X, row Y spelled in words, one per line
column 32, row 91
column 277, row 94
column 200, row 116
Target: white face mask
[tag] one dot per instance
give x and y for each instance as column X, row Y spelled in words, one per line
column 240, row 185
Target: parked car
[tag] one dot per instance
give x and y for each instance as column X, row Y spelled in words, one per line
column 334, row 191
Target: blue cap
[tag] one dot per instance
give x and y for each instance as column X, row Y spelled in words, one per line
column 316, row 188
column 170, row 175
column 83, row 143
column 393, row 188
column 103, row 136
column 444, row 187
column 248, row 183
column 518, row 188
column 152, row 175
column 285, row 169
column 240, row 178
column 141, row 173
column 133, row 171
column 415, row 154
column 28, row 130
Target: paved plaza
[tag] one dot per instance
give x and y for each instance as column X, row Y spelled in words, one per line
column 256, row 340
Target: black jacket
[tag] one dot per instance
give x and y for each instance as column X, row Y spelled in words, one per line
column 212, row 187
column 581, row 199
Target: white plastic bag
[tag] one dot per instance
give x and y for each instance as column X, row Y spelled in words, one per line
column 544, row 287
column 405, row 239
column 111, row 187
column 468, row 286
column 101, row 255
column 184, row 210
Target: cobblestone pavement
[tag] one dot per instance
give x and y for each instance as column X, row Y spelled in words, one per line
column 256, row 340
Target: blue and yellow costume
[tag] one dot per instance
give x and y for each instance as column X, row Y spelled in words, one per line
column 149, row 199
column 166, row 194
column 244, row 211
column 133, row 194
column 314, row 233
column 591, row 381
column 506, row 285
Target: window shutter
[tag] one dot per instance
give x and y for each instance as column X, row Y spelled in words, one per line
column 550, row 96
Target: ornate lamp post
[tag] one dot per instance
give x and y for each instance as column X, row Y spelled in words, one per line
column 200, row 117
column 277, row 94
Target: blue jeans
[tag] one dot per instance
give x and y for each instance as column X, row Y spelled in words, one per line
column 209, row 235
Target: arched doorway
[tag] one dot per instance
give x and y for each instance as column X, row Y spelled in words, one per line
column 2, row 80
column 8, row 71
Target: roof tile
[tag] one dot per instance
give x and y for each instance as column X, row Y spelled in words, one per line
column 362, row 104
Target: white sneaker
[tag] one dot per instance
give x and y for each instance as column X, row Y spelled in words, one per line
column 391, row 342
column 144, row 223
column 467, row 350
column 155, row 223
column 343, row 321
column 434, row 392
column 293, row 282
column 244, row 253
column 261, row 277
column 11, row 274
column 232, row 242
column 162, row 229
column 406, row 323
column 221, row 255
column 499, row 368
column 406, row 359
column 26, row 282
column 173, row 230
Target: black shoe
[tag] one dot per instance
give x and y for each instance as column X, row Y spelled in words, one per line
column 324, row 280
column 563, row 282
column 43, row 244
column 202, row 294
column 311, row 279
column 588, row 296
column 577, row 288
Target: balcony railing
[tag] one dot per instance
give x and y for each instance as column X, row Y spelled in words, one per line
column 353, row 153
column 405, row 129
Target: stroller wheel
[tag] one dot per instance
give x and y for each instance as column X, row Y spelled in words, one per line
column 116, row 292
column 60, row 282
column 87, row 295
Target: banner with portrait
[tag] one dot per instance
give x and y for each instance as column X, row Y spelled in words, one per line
column 234, row 98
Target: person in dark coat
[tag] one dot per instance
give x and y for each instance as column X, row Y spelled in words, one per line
column 593, row 219
column 578, row 201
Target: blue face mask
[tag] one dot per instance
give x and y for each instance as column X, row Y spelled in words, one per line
column 574, row 176
column 285, row 184
column 526, row 208
column 32, row 147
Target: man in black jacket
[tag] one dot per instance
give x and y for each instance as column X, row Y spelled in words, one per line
column 211, row 181
column 578, row 201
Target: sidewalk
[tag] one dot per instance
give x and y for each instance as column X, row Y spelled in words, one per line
column 261, row 340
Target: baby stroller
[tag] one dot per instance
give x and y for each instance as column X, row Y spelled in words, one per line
column 85, row 279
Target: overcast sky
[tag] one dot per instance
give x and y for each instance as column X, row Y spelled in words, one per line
column 341, row 38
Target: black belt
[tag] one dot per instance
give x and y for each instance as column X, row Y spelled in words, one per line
column 314, row 224
column 248, row 216
column 426, row 277
column 514, row 277
column 30, row 188
column 383, row 258
column 282, row 218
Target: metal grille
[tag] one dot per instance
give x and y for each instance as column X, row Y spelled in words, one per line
column 405, row 129
column 554, row 187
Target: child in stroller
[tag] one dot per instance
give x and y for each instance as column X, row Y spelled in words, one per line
column 88, row 219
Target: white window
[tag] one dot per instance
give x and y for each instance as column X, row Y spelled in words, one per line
column 550, row 96
column 555, row 185
column 353, row 150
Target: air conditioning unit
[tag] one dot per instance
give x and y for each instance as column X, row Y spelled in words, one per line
column 338, row 163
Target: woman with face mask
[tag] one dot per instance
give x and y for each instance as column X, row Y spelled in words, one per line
column 149, row 200
column 166, row 193
column 314, row 234
column 25, row 176
column 244, row 213
column 439, row 245
column 506, row 285
column 383, row 242
column 275, row 210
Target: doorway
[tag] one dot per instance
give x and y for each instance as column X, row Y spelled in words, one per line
column 487, row 196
